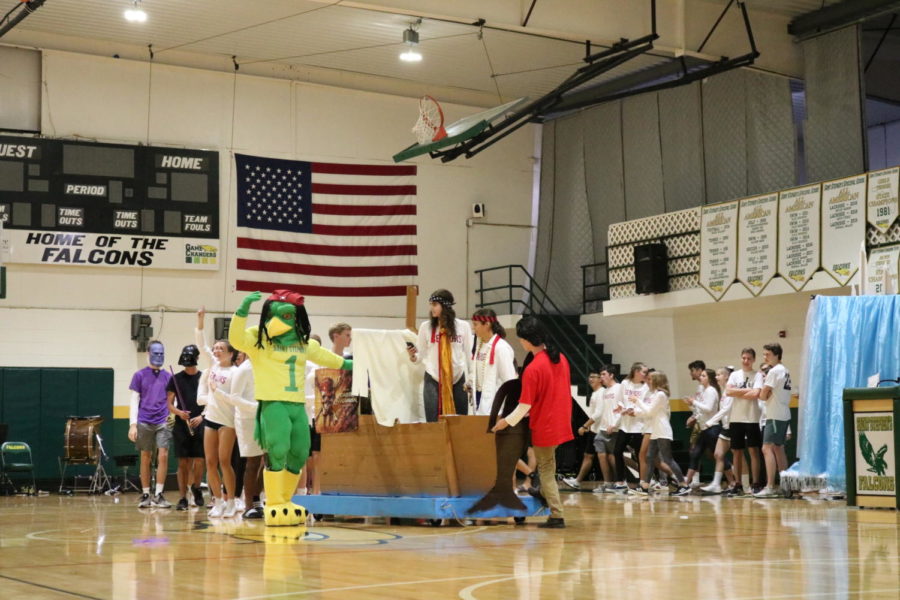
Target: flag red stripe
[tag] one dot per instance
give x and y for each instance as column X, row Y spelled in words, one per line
column 363, row 190
column 325, row 250
column 244, row 285
column 363, row 230
column 370, row 210
column 331, row 271
column 343, row 169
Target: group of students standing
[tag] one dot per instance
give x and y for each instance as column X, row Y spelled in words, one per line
column 732, row 411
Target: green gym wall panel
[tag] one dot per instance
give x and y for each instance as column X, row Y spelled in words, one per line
column 59, row 388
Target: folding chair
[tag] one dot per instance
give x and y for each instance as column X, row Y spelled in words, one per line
column 15, row 457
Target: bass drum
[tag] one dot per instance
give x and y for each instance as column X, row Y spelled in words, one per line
column 81, row 439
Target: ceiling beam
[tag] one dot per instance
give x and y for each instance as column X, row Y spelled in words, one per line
column 840, row 15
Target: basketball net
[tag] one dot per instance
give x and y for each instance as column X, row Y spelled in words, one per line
column 430, row 125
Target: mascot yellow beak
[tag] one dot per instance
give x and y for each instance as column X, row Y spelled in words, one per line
column 276, row 327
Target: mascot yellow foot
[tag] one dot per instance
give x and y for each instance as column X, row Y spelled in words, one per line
column 279, row 510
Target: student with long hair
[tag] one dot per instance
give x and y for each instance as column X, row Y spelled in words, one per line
column 219, row 436
column 723, row 444
column 656, row 414
column 547, row 399
column 444, row 345
column 705, row 406
column 631, row 392
column 494, row 359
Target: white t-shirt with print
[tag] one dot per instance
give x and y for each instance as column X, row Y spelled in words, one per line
column 778, row 406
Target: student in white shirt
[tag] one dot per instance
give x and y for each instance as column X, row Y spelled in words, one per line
column 456, row 359
column 776, row 392
column 604, row 424
column 494, row 359
column 704, row 407
column 587, row 435
column 723, row 444
column 631, row 430
column 745, row 414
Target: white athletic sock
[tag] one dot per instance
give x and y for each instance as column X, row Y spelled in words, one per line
column 717, row 478
column 159, row 488
column 146, row 490
column 696, row 478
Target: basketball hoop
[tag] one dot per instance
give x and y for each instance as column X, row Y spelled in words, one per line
column 430, row 125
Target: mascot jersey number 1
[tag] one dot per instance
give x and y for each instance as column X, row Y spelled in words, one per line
column 278, row 350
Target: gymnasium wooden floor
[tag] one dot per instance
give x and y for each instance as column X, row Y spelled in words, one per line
column 614, row 547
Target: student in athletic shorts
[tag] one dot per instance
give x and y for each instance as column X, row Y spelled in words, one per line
column 723, row 444
column 188, row 429
column 631, row 429
column 776, row 392
column 147, row 426
column 604, row 423
column 745, row 415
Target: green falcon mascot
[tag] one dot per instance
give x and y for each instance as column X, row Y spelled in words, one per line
column 278, row 350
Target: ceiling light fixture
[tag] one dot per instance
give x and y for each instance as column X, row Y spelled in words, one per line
column 136, row 14
column 411, row 38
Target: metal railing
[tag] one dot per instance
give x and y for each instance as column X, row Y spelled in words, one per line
column 594, row 286
column 519, row 293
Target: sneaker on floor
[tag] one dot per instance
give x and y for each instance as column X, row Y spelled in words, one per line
column 198, row 496
column 217, row 510
column 553, row 523
column 182, row 504
column 683, row 491
column 254, row 512
column 767, row 492
column 620, row 488
column 572, row 483
column 145, row 501
column 599, row 489
column 638, row 491
column 711, row 489
column 657, row 487
column 734, row 492
column 230, row 509
column 239, row 505
column 160, row 502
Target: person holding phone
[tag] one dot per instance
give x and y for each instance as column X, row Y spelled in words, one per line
column 443, row 345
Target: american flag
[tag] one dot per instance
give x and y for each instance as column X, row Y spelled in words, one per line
column 325, row 229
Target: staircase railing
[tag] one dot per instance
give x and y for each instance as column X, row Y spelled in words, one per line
column 521, row 294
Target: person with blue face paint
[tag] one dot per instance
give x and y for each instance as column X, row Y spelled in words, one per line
column 147, row 423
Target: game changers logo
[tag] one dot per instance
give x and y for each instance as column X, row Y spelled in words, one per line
column 200, row 254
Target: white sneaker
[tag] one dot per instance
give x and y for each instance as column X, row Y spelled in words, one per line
column 572, row 483
column 239, row 505
column 711, row 489
column 301, row 491
column 217, row 510
column 657, row 487
column 230, row 509
column 599, row 489
column 768, row 492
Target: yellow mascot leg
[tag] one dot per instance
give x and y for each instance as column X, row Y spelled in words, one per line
column 275, row 497
column 296, row 513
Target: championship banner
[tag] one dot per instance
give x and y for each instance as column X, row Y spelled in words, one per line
column 718, row 248
column 798, row 234
column 336, row 408
column 882, row 271
column 111, row 205
column 875, row 468
column 883, row 203
column 843, row 226
column 757, row 235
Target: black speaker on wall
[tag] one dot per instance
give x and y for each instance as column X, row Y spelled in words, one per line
column 651, row 269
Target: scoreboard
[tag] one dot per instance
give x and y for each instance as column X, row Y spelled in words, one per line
column 89, row 204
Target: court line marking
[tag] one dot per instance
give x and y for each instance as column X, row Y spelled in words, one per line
column 465, row 593
column 48, row 587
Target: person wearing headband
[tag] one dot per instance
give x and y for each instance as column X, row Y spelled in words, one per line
column 445, row 346
column 278, row 350
column 493, row 357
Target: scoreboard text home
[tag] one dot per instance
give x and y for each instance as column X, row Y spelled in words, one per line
column 89, row 204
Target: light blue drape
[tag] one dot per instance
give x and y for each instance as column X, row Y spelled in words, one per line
column 848, row 339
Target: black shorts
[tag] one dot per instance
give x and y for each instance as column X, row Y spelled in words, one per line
column 212, row 424
column 315, row 439
column 745, row 435
column 187, row 445
column 587, row 439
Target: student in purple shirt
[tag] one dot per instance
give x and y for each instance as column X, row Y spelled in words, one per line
column 147, row 423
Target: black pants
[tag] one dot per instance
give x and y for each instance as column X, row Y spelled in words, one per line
column 622, row 440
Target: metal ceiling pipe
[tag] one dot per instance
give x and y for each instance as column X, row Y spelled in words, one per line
column 26, row 9
column 839, row 15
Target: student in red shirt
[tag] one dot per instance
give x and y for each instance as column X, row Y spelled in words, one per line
column 547, row 399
